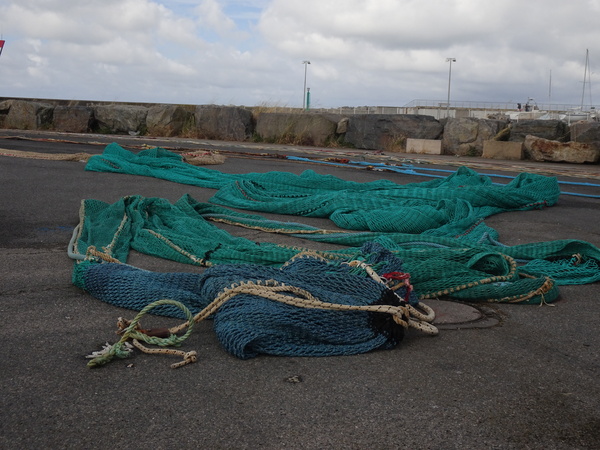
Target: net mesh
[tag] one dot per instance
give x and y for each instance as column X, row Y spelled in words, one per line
column 248, row 325
column 436, row 227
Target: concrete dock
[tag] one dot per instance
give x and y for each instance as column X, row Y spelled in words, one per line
column 497, row 376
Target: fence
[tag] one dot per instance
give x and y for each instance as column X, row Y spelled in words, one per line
column 437, row 108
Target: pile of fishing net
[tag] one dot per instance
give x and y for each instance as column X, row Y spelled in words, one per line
column 308, row 307
column 433, row 234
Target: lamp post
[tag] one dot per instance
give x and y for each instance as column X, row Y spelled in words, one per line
column 449, row 60
column 306, row 63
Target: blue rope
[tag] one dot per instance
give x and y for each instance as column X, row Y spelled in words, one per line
column 408, row 169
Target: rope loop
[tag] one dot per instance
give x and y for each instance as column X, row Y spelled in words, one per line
column 131, row 330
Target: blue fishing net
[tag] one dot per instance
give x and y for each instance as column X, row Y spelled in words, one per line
column 248, row 325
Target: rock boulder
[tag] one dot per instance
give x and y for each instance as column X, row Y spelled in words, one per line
column 120, row 119
column 4, row 109
column 169, row 120
column 389, row 132
column 465, row 137
column 585, row 132
column 230, row 123
column 298, row 129
column 72, row 119
column 554, row 130
column 540, row 149
column 28, row 115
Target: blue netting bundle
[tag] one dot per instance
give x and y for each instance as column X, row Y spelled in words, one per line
column 248, row 325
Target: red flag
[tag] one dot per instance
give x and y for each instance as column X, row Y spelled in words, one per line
column 1, row 45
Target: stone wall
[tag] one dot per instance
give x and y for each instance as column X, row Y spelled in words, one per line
column 387, row 132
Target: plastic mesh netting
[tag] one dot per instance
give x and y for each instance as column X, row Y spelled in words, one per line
column 248, row 325
column 437, row 227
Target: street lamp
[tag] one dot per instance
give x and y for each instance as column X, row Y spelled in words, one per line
column 449, row 60
column 306, row 63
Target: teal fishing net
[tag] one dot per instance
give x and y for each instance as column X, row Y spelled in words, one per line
column 433, row 231
column 247, row 324
column 439, row 266
column 443, row 207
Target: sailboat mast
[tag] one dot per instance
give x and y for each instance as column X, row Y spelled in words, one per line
column 585, row 70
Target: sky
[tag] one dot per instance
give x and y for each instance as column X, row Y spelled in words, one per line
column 252, row 52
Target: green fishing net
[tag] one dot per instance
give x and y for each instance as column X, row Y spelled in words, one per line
column 437, row 227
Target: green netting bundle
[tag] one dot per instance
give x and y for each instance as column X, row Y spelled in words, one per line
column 178, row 232
column 437, row 227
column 442, row 207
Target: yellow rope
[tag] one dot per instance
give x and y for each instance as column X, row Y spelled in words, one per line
column 178, row 249
column 198, row 158
column 203, row 157
column 271, row 230
column 188, row 357
column 509, row 276
column 95, row 253
column 273, row 290
column 47, row 156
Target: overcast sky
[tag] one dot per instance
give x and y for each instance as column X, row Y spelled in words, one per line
column 250, row 52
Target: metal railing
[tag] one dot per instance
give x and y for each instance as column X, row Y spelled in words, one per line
column 497, row 106
column 436, row 108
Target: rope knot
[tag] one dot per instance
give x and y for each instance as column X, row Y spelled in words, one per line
column 188, row 358
column 163, row 337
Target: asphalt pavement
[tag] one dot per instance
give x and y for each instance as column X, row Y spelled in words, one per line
column 497, row 376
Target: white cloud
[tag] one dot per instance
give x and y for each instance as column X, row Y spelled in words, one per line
column 497, row 44
column 376, row 52
column 211, row 15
